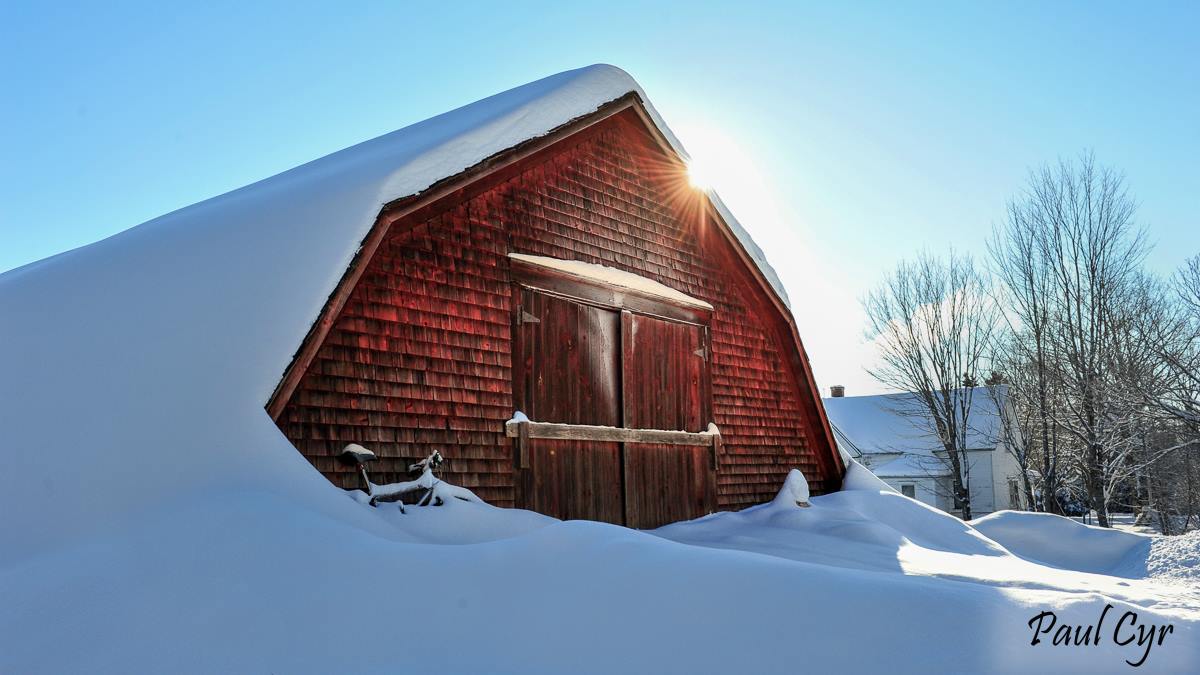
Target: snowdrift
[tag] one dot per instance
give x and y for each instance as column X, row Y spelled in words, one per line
column 237, row 580
column 1065, row 543
column 863, row 526
column 1176, row 558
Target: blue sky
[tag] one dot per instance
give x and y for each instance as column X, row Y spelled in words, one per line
column 845, row 137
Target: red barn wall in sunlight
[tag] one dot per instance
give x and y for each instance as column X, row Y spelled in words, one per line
column 438, row 339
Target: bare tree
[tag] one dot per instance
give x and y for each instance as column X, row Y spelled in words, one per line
column 1177, row 344
column 1187, row 285
column 1164, row 339
column 1025, row 351
column 1070, row 255
column 1019, row 421
column 932, row 321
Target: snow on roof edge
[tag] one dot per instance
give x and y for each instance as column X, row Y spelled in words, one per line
column 743, row 236
column 400, row 188
column 897, row 423
column 612, row 276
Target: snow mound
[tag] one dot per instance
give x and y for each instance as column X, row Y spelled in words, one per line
column 1175, row 557
column 1067, row 544
column 862, row 526
column 794, row 491
column 859, row 477
column 455, row 521
column 245, row 580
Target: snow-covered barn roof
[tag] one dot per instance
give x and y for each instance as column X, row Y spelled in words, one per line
column 896, row 423
column 174, row 333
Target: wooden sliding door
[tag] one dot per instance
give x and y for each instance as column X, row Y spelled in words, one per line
column 579, row 363
column 665, row 386
column 569, row 371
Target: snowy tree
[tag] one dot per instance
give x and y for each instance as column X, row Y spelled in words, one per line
column 1019, row 421
column 932, row 321
column 1165, row 327
column 1025, row 351
column 1069, row 256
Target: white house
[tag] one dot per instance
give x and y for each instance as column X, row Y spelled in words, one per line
column 895, row 439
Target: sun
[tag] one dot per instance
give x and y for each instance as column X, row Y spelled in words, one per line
column 699, row 175
column 717, row 163
column 727, row 162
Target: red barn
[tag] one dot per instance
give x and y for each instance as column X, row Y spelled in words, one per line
column 577, row 277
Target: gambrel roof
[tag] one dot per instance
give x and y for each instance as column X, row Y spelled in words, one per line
column 173, row 334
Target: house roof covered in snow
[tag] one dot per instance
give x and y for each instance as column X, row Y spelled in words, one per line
column 176, row 332
column 897, row 423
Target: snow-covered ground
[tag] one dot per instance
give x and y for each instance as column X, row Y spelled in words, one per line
column 242, row 580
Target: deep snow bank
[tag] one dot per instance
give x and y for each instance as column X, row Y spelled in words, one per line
column 1065, row 543
column 864, row 526
column 1175, row 557
column 247, row 580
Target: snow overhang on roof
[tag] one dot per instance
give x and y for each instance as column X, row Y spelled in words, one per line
column 611, row 276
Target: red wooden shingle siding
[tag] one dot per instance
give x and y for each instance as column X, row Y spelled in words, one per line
column 420, row 356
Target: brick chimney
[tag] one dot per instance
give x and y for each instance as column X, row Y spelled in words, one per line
column 837, row 391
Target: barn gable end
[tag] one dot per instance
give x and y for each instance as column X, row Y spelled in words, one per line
column 415, row 350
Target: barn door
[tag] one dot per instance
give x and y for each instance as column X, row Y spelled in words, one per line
column 665, row 383
column 569, row 371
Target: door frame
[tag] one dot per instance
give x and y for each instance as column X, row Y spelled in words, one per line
column 626, row 302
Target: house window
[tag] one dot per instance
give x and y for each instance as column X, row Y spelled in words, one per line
column 909, row 491
column 1014, row 494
